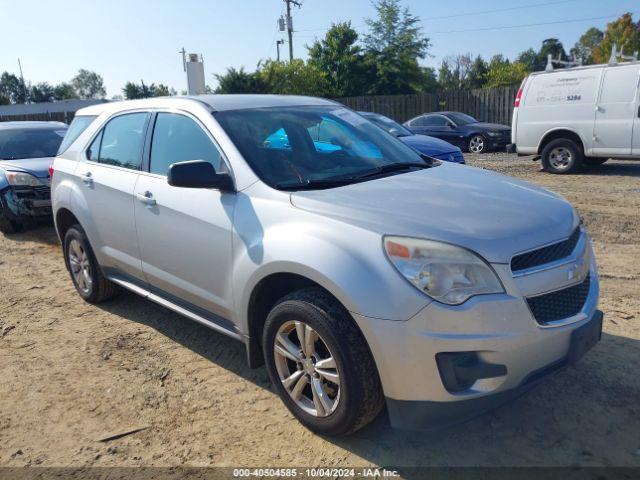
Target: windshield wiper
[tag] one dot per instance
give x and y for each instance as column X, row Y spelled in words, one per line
column 392, row 167
column 315, row 184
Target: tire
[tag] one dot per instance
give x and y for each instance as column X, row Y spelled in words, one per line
column 477, row 144
column 90, row 282
column 358, row 399
column 9, row 226
column 594, row 162
column 561, row 156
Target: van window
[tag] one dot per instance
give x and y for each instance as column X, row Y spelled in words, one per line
column 122, row 140
column 177, row 138
column 78, row 125
column 619, row 85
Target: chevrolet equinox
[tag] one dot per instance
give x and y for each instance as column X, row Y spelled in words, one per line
column 360, row 272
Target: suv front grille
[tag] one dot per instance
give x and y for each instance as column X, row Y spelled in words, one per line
column 560, row 304
column 547, row 254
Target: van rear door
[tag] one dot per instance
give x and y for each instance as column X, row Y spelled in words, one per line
column 635, row 143
column 616, row 110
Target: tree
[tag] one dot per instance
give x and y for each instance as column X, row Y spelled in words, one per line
column 505, row 73
column 88, row 85
column 239, row 81
column 624, row 33
column 133, row 91
column 64, row 91
column 393, row 47
column 553, row 47
column 41, row 92
column 293, row 78
column 339, row 56
column 454, row 71
column 478, row 73
column 529, row 58
column 584, row 48
column 13, row 88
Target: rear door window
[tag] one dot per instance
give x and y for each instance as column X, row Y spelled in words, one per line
column 178, row 138
column 120, row 141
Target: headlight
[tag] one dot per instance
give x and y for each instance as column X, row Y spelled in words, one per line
column 446, row 273
column 22, row 179
column 493, row 134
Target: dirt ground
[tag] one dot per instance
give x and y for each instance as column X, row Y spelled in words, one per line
column 72, row 373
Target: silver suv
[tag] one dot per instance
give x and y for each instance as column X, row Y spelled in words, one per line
column 358, row 271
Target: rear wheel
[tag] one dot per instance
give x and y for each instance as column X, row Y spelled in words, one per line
column 561, row 156
column 85, row 272
column 594, row 161
column 320, row 364
column 477, row 144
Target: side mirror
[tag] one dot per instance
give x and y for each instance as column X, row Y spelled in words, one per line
column 198, row 174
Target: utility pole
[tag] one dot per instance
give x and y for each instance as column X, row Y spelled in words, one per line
column 24, row 85
column 289, row 24
column 278, row 43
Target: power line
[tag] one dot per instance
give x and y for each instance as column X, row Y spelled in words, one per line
column 465, row 14
column 522, row 25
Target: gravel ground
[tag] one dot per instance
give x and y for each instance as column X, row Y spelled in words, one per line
column 72, row 373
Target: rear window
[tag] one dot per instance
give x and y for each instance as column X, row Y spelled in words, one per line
column 78, row 125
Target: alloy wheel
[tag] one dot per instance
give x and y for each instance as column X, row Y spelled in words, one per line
column 307, row 368
column 560, row 158
column 476, row 144
column 80, row 266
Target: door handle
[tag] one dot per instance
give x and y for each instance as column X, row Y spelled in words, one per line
column 87, row 178
column 146, row 198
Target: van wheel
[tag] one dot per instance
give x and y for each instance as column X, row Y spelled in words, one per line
column 85, row 272
column 593, row 162
column 561, row 156
column 320, row 364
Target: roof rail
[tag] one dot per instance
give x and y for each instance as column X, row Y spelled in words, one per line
column 615, row 54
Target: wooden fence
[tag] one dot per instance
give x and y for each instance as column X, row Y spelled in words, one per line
column 487, row 104
column 65, row 117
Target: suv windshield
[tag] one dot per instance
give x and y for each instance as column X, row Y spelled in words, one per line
column 461, row 118
column 30, row 142
column 391, row 126
column 314, row 146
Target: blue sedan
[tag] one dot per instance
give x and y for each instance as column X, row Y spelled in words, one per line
column 430, row 146
column 26, row 152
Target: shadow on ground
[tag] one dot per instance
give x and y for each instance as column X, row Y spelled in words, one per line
column 567, row 420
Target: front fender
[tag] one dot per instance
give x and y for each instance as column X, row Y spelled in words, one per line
column 347, row 261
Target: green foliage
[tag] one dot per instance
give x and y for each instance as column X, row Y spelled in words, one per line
column 529, row 58
column 134, row 91
column 42, row 92
column 293, row 78
column 342, row 59
column 64, row 91
column 13, row 89
column 584, row 48
column 88, row 85
column 624, row 33
column 393, row 47
column 239, row 81
column 503, row 73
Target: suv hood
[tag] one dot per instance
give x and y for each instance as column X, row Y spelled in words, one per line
column 491, row 214
column 38, row 167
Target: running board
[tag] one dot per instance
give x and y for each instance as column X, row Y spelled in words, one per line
column 176, row 308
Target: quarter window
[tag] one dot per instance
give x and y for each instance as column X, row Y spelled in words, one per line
column 177, row 138
column 120, row 141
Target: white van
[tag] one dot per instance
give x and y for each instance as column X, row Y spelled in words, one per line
column 578, row 115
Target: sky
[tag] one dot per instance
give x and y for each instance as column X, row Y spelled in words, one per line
column 133, row 40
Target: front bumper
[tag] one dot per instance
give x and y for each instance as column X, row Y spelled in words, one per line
column 21, row 203
column 499, row 330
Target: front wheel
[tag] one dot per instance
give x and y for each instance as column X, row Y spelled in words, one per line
column 9, row 226
column 320, row 364
column 477, row 144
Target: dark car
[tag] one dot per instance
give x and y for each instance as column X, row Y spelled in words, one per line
column 434, row 147
column 462, row 130
column 27, row 150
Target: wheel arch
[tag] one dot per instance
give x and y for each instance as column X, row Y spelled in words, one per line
column 557, row 133
column 64, row 219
